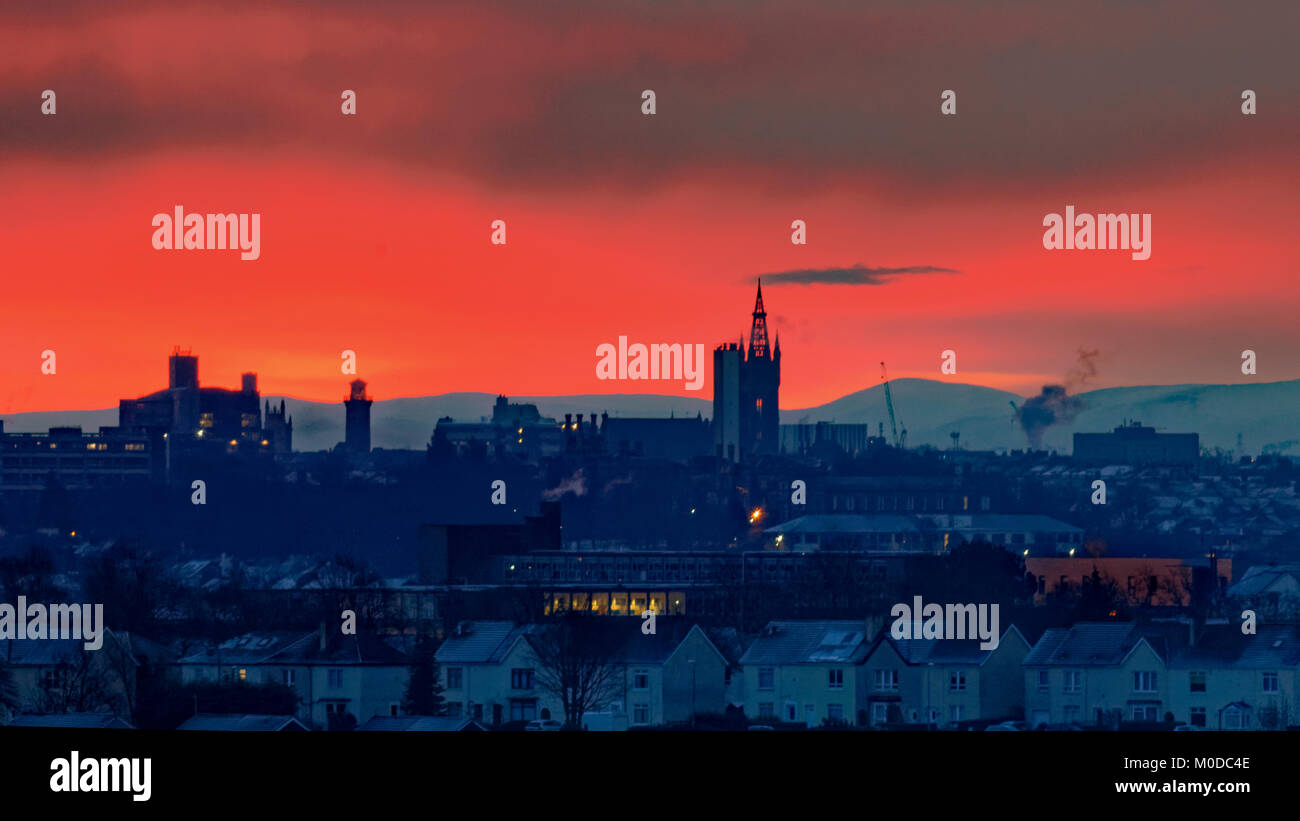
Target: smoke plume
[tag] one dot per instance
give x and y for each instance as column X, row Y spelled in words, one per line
column 1054, row 403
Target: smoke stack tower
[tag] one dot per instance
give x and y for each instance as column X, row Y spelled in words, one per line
column 357, row 441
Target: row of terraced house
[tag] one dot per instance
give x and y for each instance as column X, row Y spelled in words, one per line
column 812, row 673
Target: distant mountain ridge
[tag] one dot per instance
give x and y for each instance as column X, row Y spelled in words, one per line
column 1265, row 415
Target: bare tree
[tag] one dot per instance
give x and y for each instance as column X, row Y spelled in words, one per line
column 1275, row 714
column 8, row 693
column 575, row 663
column 80, row 684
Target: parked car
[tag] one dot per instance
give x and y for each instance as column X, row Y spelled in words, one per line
column 1007, row 726
column 543, row 724
column 1056, row 728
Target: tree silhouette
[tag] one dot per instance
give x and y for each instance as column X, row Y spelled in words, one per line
column 423, row 695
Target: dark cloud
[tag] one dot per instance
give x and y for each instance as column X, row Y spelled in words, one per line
column 855, row 275
column 547, row 96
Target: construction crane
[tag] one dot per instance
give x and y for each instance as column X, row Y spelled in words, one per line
column 889, row 403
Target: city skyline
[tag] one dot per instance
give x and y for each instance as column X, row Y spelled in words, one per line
column 924, row 231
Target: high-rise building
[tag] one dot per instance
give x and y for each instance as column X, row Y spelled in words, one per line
column 357, row 435
column 746, row 382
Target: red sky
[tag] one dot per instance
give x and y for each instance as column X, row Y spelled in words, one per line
column 375, row 228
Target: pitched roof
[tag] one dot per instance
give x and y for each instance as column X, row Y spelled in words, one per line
column 477, row 642
column 257, row 647
column 1260, row 578
column 39, row 652
column 934, row 651
column 106, row 721
column 281, row 647
column 657, row 647
column 247, row 722
column 421, row 724
column 1085, row 644
column 48, row 652
column 808, row 642
column 487, row 642
column 1225, row 647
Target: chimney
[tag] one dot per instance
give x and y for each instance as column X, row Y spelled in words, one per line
column 568, row 421
column 248, row 382
column 322, row 637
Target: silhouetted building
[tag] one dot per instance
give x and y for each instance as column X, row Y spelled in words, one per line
column 358, row 419
column 745, row 387
column 459, row 554
column 278, row 429
column 185, row 419
column 1137, row 444
column 827, row 439
column 514, row 414
column 519, row 431
column 677, row 440
column 185, row 409
column 72, row 459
